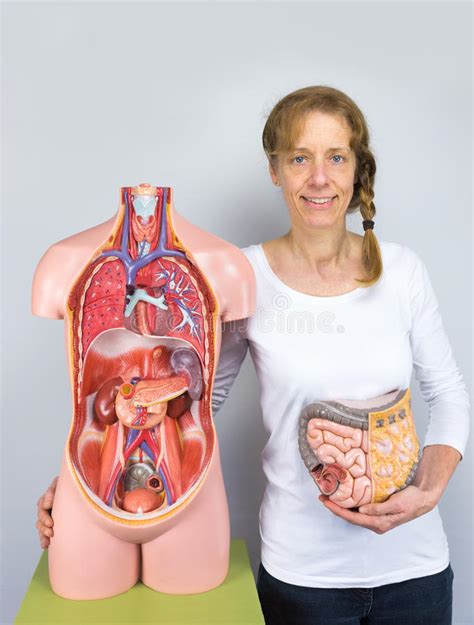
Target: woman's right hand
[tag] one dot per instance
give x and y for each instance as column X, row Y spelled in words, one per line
column 44, row 524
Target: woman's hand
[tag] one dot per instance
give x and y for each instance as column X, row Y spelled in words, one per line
column 401, row 507
column 44, row 524
column 436, row 466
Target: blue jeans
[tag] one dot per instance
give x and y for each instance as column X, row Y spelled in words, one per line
column 419, row 601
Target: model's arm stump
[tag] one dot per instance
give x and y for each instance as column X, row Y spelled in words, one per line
column 48, row 285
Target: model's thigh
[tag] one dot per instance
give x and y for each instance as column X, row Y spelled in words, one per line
column 288, row 604
column 85, row 562
column 193, row 556
column 420, row 601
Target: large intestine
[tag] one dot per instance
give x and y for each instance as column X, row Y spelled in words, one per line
column 355, row 456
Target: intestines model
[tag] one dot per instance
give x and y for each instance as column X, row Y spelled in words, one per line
column 360, row 454
column 140, row 493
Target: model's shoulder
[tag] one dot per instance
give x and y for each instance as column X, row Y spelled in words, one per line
column 86, row 241
column 258, row 252
column 216, row 256
column 58, row 267
column 225, row 266
column 233, row 274
column 234, row 253
column 398, row 256
column 251, row 251
column 74, row 250
column 205, row 246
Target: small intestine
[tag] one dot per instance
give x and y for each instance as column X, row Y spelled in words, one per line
column 347, row 447
column 383, row 464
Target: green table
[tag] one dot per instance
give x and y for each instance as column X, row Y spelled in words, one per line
column 235, row 602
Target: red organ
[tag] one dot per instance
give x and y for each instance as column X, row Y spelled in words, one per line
column 142, row 323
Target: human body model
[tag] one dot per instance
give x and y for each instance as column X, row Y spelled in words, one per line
column 140, row 492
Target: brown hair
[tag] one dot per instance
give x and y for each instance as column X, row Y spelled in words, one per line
column 284, row 126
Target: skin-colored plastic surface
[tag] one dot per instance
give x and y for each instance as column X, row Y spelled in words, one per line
column 233, row 603
column 183, row 547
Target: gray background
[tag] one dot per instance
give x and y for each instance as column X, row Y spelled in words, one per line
column 99, row 96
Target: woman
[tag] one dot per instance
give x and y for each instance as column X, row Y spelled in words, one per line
column 341, row 316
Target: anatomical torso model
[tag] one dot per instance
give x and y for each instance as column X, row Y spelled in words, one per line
column 140, row 493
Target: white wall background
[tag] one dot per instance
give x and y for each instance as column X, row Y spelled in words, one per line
column 102, row 95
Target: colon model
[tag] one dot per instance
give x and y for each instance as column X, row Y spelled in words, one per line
column 358, row 456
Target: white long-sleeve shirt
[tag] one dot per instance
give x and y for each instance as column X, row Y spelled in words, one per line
column 356, row 345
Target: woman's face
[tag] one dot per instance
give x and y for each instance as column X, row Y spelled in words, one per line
column 317, row 178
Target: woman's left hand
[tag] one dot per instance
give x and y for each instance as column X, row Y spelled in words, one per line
column 401, row 507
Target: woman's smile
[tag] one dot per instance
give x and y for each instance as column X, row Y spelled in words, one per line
column 319, row 203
